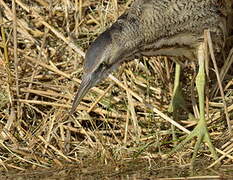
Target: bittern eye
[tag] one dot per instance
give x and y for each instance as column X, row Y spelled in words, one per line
column 104, row 65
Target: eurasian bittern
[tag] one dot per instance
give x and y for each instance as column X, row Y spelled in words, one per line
column 152, row 28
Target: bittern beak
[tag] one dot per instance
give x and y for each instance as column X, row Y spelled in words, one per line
column 88, row 81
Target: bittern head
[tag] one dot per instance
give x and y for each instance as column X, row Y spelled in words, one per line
column 103, row 56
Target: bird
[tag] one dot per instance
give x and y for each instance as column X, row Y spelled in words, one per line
column 173, row 28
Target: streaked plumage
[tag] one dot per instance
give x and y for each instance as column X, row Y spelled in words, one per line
column 150, row 28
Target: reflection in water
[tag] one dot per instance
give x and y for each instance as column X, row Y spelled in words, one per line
column 135, row 169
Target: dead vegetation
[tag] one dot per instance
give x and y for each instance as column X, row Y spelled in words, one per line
column 42, row 48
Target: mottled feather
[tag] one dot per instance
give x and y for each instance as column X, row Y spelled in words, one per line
column 150, row 28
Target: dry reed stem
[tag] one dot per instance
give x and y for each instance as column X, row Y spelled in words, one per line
column 210, row 45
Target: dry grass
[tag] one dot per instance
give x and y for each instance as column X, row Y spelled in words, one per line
column 42, row 47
